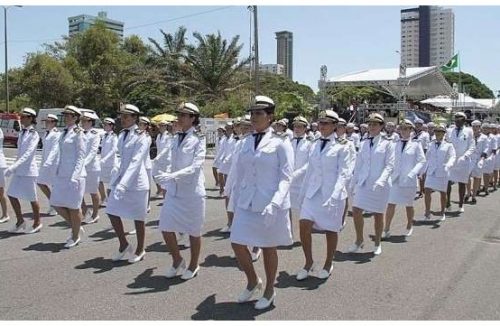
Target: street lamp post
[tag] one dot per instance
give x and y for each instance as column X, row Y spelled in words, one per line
column 6, row 76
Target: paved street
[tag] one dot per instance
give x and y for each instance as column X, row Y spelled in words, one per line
column 447, row 271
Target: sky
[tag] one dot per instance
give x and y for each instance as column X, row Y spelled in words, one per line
column 344, row 38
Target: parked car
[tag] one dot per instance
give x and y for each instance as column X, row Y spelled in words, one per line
column 11, row 125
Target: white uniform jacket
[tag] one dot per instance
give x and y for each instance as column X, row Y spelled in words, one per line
column 480, row 150
column 109, row 150
column 133, row 151
column 161, row 162
column 265, row 172
column 220, row 151
column 408, row 163
column 186, row 165
column 232, row 181
column 301, row 147
column 440, row 159
column 328, row 170
column 227, row 155
column 50, row 152
column 463, row 144
column 92, row 160
column 355, row 138
column 424, row 139
column 72, row 149
column 3, row 164
column 162, row 140
column 374, row 164
column 27, row 142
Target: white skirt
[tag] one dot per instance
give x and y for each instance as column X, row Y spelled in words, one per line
column 92, row 182
column 2, row 177
column 249, row 229
column 436, row 183
column 489, row 165
column 371, row 201
column 402, row 195
column 105, row 176
column 477, row 169
column 460, row 172
column 132, row 206
column 324, row 218
column 184, row 215
column 497, row 160
column 294, row 198
column 64, row 195
column 46, row 175
column 23, row 188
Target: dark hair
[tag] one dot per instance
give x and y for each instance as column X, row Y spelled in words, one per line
column 196, row 121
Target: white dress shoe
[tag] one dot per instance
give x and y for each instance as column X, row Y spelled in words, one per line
column 426, row 217
column 264, row 303
column 461, row 210
column 80, row 234
column 4, row 219
column 256, row 255
column 90, row 220
column 18, row 229
column 449, row 209
column 104, row 203
column 173, row 272
column 52, row 211
column 324, row 274
column 377, row 250
column 355, row 248
column 247, row 294
column 232, row 255
column 136, row 258
column 187, row 275
column 409, row 232
column 303, row 273
column 34, row 230
column 124, row 255
column 386, row 234
column 443, row 218
column 134, row 231
column 226, row 229
column 71, row 243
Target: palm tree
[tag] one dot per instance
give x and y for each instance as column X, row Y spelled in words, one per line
column 212, row 66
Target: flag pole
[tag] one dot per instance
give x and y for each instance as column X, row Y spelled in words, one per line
column 460, row 90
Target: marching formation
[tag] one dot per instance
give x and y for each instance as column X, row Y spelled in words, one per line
column 271, row 177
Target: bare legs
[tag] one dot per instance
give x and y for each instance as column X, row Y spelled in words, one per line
column 389, row 215
column 305, row 239
column 16, row 205
column 140, row 228
column 172, row 247
column 3, row 202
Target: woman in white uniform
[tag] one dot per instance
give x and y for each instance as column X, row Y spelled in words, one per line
column 163, row 141
column 183, row 208
column 3, row 165
column 92, row 167
column 371, row 181
column 261, row 217
column 440, row 159
column 130, row 185
column 477, row 159
column 409, row 161
column 218, row 145
column 69, row 183
column 109, row 157
column 50, row 155
column 145, row 125
column 497, row 158
column 25, row 170
column 489, row 162
column 324, row 193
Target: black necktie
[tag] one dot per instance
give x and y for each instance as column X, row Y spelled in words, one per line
column 125, row 131
column 24, row 131
column 371, row 141
column 65, row 132
column 236, row 138
column 85, row 131
column 458, row 131
column 323, row 143
column 475, row 139
column 404, row 145
column 182, row 135
column 437, row 144
column 47, row 133
column 106, row 135
column 298, row 140
column 258, row 137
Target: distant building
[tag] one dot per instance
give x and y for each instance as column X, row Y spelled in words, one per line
column 80, row 23
column 273, row 68
column 427, row 36
column 285, row 51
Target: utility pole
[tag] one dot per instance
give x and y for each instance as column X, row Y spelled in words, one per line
column 256, row 49
column 6, row 76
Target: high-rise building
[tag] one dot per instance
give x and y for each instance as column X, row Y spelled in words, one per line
column 285, row 52
column 427, row 36
column 82, row 22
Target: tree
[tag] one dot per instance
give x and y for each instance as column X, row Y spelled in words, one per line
column 470, row 84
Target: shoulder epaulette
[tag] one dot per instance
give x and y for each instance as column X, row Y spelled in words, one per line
column 281, row 135
column 139, row 131
column 342, row 141
column 387, row 137
column 199, row 134
column 32, row 130
column 310, row 138
column 77, row 129
column 93, row 131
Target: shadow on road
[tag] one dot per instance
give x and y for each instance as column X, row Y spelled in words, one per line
column 210, row 310
column 152, row 284
column 214, row 197
column 52, row 247
column 285, row 280
column 290, row 247
column 359, row 258
column 101, row 265
column 60, row 224
column 216, row 233
column 7, row 234
column 153, row 223
column 395, row 239
column 156, row 247
column 219, row 261
column 103, row 235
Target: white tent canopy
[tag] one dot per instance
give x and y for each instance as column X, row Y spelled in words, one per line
column 461, row 102
column 418, row 83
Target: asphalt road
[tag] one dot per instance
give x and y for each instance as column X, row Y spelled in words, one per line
column 443, row 271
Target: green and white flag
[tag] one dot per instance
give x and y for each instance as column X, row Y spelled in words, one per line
column 452, row 64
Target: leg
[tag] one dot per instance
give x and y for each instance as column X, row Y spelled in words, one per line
column 475, row 187
column 214, row 172
column 117, row 224
column 379, row 226
column 331, row 246
column 195, row 252
column 96, row 202
column 3, row 202
column 271, row 267
column 35, row 206
column 410, row 214
column 17, row 210
column 230, row 216
column 448, row 195
column 428, row 194
column 76, row 222
column 305, row 240
column 486, row 179
column 444, row 201
column 245, row 261
column 461, row 194
column 357, row 215
column 84, row 207
column 64, row 212
column 45, row 189
column 102, row 191
column 141, row 236
column 173, row 249
column 389, row 214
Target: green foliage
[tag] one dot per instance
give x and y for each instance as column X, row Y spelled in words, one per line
column 470, row 84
